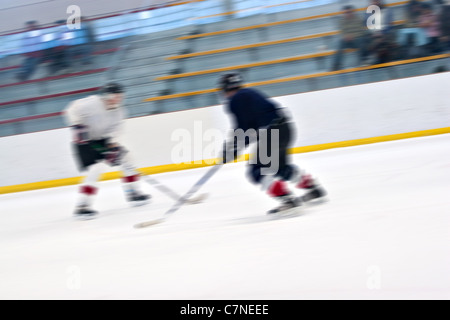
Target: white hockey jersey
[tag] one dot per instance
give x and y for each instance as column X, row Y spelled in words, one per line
column 92, row 113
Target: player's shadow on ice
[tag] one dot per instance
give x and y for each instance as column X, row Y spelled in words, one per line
column 130, row 210
column 265, row 218
column 300, row 212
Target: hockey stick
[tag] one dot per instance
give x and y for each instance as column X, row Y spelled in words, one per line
column 182, row 200
column 172, row 194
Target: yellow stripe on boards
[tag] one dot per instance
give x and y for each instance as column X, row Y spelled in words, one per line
column 365, row 141
column 210, row 162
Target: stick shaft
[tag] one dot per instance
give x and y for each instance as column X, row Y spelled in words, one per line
column 172, row 194
column 182, row 200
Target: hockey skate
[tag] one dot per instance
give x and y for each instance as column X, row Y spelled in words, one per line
column 138, row 199
column 289, row 205
column 279, row 190
column 314, row 192
column 85, row 213
column 316, row 195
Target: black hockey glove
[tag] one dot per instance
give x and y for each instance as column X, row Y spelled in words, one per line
column 113, row 155
column 278, row 122
column 80, row 134
column 229, row 151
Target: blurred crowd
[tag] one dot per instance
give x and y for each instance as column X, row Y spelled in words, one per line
column 425, row 31
column 64, row 51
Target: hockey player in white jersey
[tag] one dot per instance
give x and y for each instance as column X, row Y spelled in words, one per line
column 96, row 123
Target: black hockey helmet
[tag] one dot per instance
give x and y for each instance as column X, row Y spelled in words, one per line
column 112, row 87
column 230, row 82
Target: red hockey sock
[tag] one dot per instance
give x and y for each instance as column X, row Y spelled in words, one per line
column 306, row 182
column 130, row 179
column 88, row 190
column 278, row 189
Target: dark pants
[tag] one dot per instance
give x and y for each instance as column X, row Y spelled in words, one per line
column 82, row 52
column 28, row 68
column 90, row 153
column 59, row 59
column 277, row 151
column 359, row 43
column 434, row 45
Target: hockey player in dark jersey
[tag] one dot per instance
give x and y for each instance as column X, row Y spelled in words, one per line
column 258, row 119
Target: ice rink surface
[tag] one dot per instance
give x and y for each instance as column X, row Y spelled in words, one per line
column 383, row 234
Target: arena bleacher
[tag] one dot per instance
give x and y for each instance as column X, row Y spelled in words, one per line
column 176, row 68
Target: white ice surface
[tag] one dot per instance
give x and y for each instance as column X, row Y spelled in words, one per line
column 384, row 234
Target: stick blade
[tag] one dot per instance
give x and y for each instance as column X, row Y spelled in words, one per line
column 147, row 224
column 198, row 199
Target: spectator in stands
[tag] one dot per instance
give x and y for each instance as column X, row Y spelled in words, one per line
column 439, row 2
column 387, row 18
column 429, row 21
column 381, row 42
column 353, row 35
column 445, row 25
column 440, row 69
column 411, row 38
column 59, row 53
column 384, row 49
column 413, row 11
column 85, row 37
column 32, row 51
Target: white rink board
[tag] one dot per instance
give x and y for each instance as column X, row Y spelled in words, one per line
column 362, row 111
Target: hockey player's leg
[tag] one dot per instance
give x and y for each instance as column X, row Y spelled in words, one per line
column 278, row 189
column 269, row 161
column 87, row 192
column 275, row 188
column 290, row 172
column 304, row 181
column 131, row 182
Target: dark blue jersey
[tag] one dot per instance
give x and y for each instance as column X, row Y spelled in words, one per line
column 252, row 110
